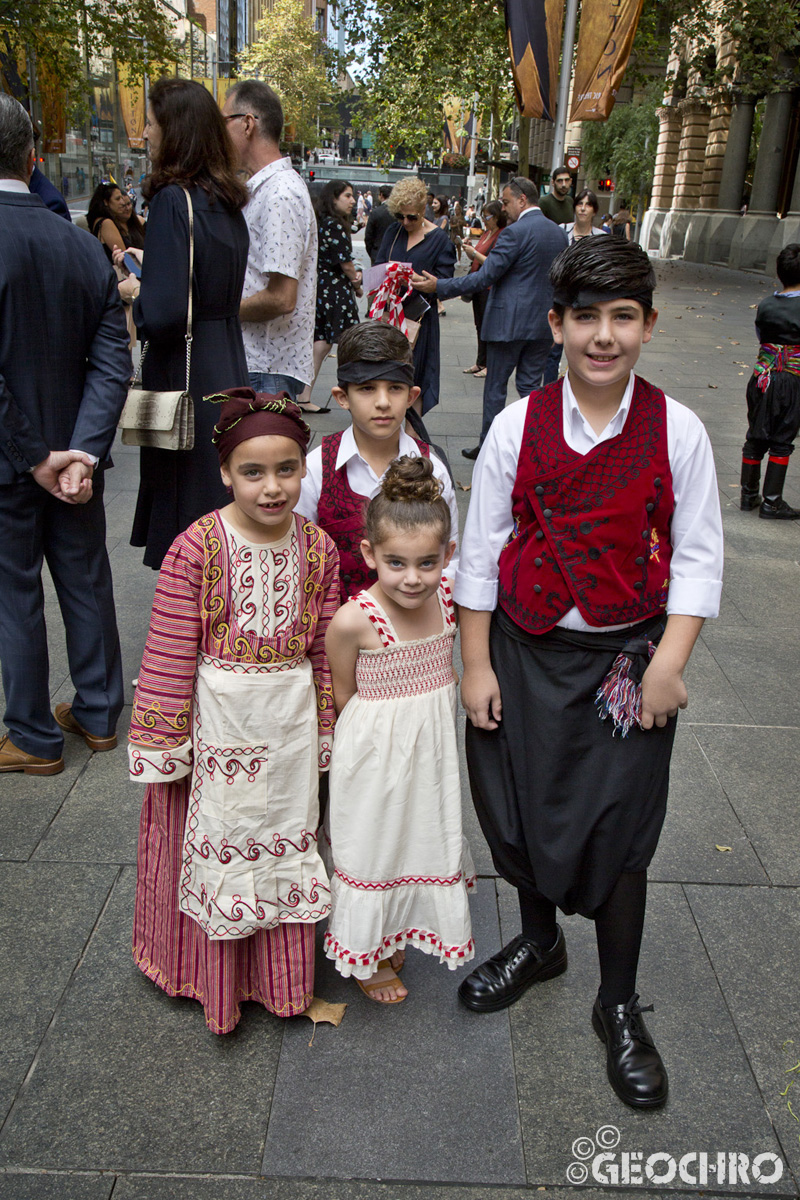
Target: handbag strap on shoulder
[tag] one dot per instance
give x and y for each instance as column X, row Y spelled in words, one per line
column 137, row 377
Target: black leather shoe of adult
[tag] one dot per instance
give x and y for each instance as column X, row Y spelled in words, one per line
column 471, row 454
column 635, row 1070
column 502, row 979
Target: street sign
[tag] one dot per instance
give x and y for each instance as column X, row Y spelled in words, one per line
column 573, row 161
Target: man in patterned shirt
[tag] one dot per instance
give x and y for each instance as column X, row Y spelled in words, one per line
column 279, row 294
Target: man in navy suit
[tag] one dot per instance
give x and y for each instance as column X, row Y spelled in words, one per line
column 64, row 372
column 515, row 327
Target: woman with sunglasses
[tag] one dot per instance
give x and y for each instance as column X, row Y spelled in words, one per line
column 427, row 248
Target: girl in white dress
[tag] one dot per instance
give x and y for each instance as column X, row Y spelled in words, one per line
column 400, row 866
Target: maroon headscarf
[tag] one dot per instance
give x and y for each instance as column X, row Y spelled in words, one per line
column 248, row 414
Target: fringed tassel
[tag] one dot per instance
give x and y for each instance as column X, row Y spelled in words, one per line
column 620, row 694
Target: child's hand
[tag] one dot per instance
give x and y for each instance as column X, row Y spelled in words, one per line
column 480, row 695
column 663, row 693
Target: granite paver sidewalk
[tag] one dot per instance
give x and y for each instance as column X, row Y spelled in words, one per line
column 110, row 1088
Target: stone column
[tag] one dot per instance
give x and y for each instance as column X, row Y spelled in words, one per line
column 669, row 136
column 691, row 154
column 718, row 127
column 737, row 151
column 788, row 230
column 751, row 248
column 767, row 175
column 688, row 176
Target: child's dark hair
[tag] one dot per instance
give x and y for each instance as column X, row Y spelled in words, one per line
column 602, row 268
column 789, row 265
column 410, row 498
column 373, row 341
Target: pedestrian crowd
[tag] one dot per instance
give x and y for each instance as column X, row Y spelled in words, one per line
column 294, row 715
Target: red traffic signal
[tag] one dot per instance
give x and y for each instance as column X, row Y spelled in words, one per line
column 605, row 185
column 310, row 174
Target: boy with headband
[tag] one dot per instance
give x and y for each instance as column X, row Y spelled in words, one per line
column 376, row 386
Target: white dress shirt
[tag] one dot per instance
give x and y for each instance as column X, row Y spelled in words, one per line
column 696, row 568
column 365, row 482
column 283, row 238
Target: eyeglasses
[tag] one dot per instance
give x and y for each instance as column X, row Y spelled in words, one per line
column 409, row 216
column 236, row 116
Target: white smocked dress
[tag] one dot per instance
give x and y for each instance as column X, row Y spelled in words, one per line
column 400, row 863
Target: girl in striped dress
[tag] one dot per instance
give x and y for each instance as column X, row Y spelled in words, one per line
column 400, row 864
column 232, row 722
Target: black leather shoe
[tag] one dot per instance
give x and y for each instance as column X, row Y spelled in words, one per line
column 635, row 1070
column 471, row 454
column 775, row 508
column 502, row 979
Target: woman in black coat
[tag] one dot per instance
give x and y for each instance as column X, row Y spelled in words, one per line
column 190, row 148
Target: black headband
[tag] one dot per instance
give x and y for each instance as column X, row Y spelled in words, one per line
column 586, row 298
column 363, row 371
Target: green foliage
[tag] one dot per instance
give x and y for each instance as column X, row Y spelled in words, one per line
column 417, row 58
column 64, row 37
column 767, row 34
column 292, row 58
column 624, row 146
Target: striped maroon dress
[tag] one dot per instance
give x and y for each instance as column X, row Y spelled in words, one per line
column 267, row 954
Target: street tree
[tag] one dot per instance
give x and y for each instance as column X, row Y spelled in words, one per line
column 416, row 59
column 291, row 56
column 60, row 40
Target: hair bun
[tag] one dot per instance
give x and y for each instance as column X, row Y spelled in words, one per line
column 411, row 479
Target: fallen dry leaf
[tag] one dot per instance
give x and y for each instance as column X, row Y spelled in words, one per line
column 679, row 318
column 714, row 386
column 735, row 343
column 725, row 849
column 465, row 487
column 754, row 306
column 321, row 1010
column 715, row 293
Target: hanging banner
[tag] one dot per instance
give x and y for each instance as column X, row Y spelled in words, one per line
column 534, row 42
column 608, row 28
column 54, row 120
column 131, row 107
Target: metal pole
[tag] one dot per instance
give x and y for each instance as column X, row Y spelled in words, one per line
column 472, row 146
column 567, row 51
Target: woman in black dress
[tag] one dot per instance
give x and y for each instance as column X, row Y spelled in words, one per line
column 338, row 278
column 190, row 148
column 427, row 248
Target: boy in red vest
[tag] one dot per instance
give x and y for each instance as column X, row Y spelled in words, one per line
column 592, row 555
column 376, row 386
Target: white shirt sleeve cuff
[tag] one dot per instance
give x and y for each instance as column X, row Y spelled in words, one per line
column 478, row 594
column 159, row 764
column 93, row 457
column 694, row 597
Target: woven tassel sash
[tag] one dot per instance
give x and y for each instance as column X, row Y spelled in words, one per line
column 772, row 357
column 387, row 304
column 620, row 694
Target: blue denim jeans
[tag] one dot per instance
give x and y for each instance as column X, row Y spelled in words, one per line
column 262, row 381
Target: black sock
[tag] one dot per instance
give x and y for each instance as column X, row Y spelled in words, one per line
column 538, row 919
column 619, row 922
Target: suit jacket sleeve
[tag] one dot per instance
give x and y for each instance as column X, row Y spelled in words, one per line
column 503, row 255
column 19, row 441
column 108, row 373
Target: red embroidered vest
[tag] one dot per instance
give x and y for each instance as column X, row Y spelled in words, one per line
column 341, row 512
column 590, row 530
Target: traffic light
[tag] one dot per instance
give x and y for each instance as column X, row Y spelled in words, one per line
column 605, row 185
column 311, row 175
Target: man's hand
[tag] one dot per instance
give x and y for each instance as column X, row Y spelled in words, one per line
column 480, row 695
column 67, row 475
column 424, row 282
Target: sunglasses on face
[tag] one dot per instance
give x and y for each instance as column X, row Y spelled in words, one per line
column 409, row 216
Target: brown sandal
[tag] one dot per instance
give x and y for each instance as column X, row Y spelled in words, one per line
column 374, row 983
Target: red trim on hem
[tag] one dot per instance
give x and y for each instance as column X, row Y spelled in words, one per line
column 781, row 462
column 751, row 462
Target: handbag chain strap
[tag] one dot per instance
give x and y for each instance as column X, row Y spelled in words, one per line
column 137, row 377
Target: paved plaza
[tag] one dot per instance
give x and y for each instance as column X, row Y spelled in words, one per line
column 110, row 1088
